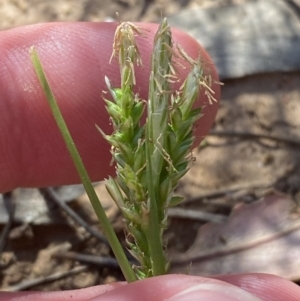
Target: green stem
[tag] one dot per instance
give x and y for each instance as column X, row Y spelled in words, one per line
column 156, row 133
column 107, row 227
column 154, row 238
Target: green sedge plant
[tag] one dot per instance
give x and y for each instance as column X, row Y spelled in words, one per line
column 150, row 156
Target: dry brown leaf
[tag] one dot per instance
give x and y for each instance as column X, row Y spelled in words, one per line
column 260, row 237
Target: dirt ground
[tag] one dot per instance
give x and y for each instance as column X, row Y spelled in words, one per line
column 241, row 168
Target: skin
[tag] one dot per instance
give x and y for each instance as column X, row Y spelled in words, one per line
column 75, row 57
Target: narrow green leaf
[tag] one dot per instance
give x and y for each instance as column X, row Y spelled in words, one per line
column 107, row 227
column 176, row 200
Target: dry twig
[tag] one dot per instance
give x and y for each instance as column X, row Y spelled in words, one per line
column 41, row 280
column 10, row 207
column 53, row 196
column 196, row 215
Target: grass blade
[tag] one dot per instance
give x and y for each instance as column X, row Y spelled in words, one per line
column 107, row 227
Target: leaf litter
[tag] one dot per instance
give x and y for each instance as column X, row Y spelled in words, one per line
column 263, row 236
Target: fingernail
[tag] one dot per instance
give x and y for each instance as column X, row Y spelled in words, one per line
column 213, row 292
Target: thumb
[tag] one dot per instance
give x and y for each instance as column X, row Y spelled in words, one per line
column 178, row 288
column 162, row 288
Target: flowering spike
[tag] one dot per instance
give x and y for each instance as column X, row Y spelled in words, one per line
column 151, row 158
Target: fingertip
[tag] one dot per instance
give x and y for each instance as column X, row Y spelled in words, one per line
column 177, row 288
column 75, row 57
column 265, row 286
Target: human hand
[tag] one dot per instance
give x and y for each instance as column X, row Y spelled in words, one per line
column 75, row 57
column 246, row 287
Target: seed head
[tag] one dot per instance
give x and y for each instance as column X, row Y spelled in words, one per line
column 125, row 47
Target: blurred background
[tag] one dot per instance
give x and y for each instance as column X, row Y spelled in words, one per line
column 243, row 191
column 23, row 12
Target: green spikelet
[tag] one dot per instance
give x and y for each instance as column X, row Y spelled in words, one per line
column 150, row 158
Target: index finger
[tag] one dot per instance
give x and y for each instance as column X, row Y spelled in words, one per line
column 75, row 57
